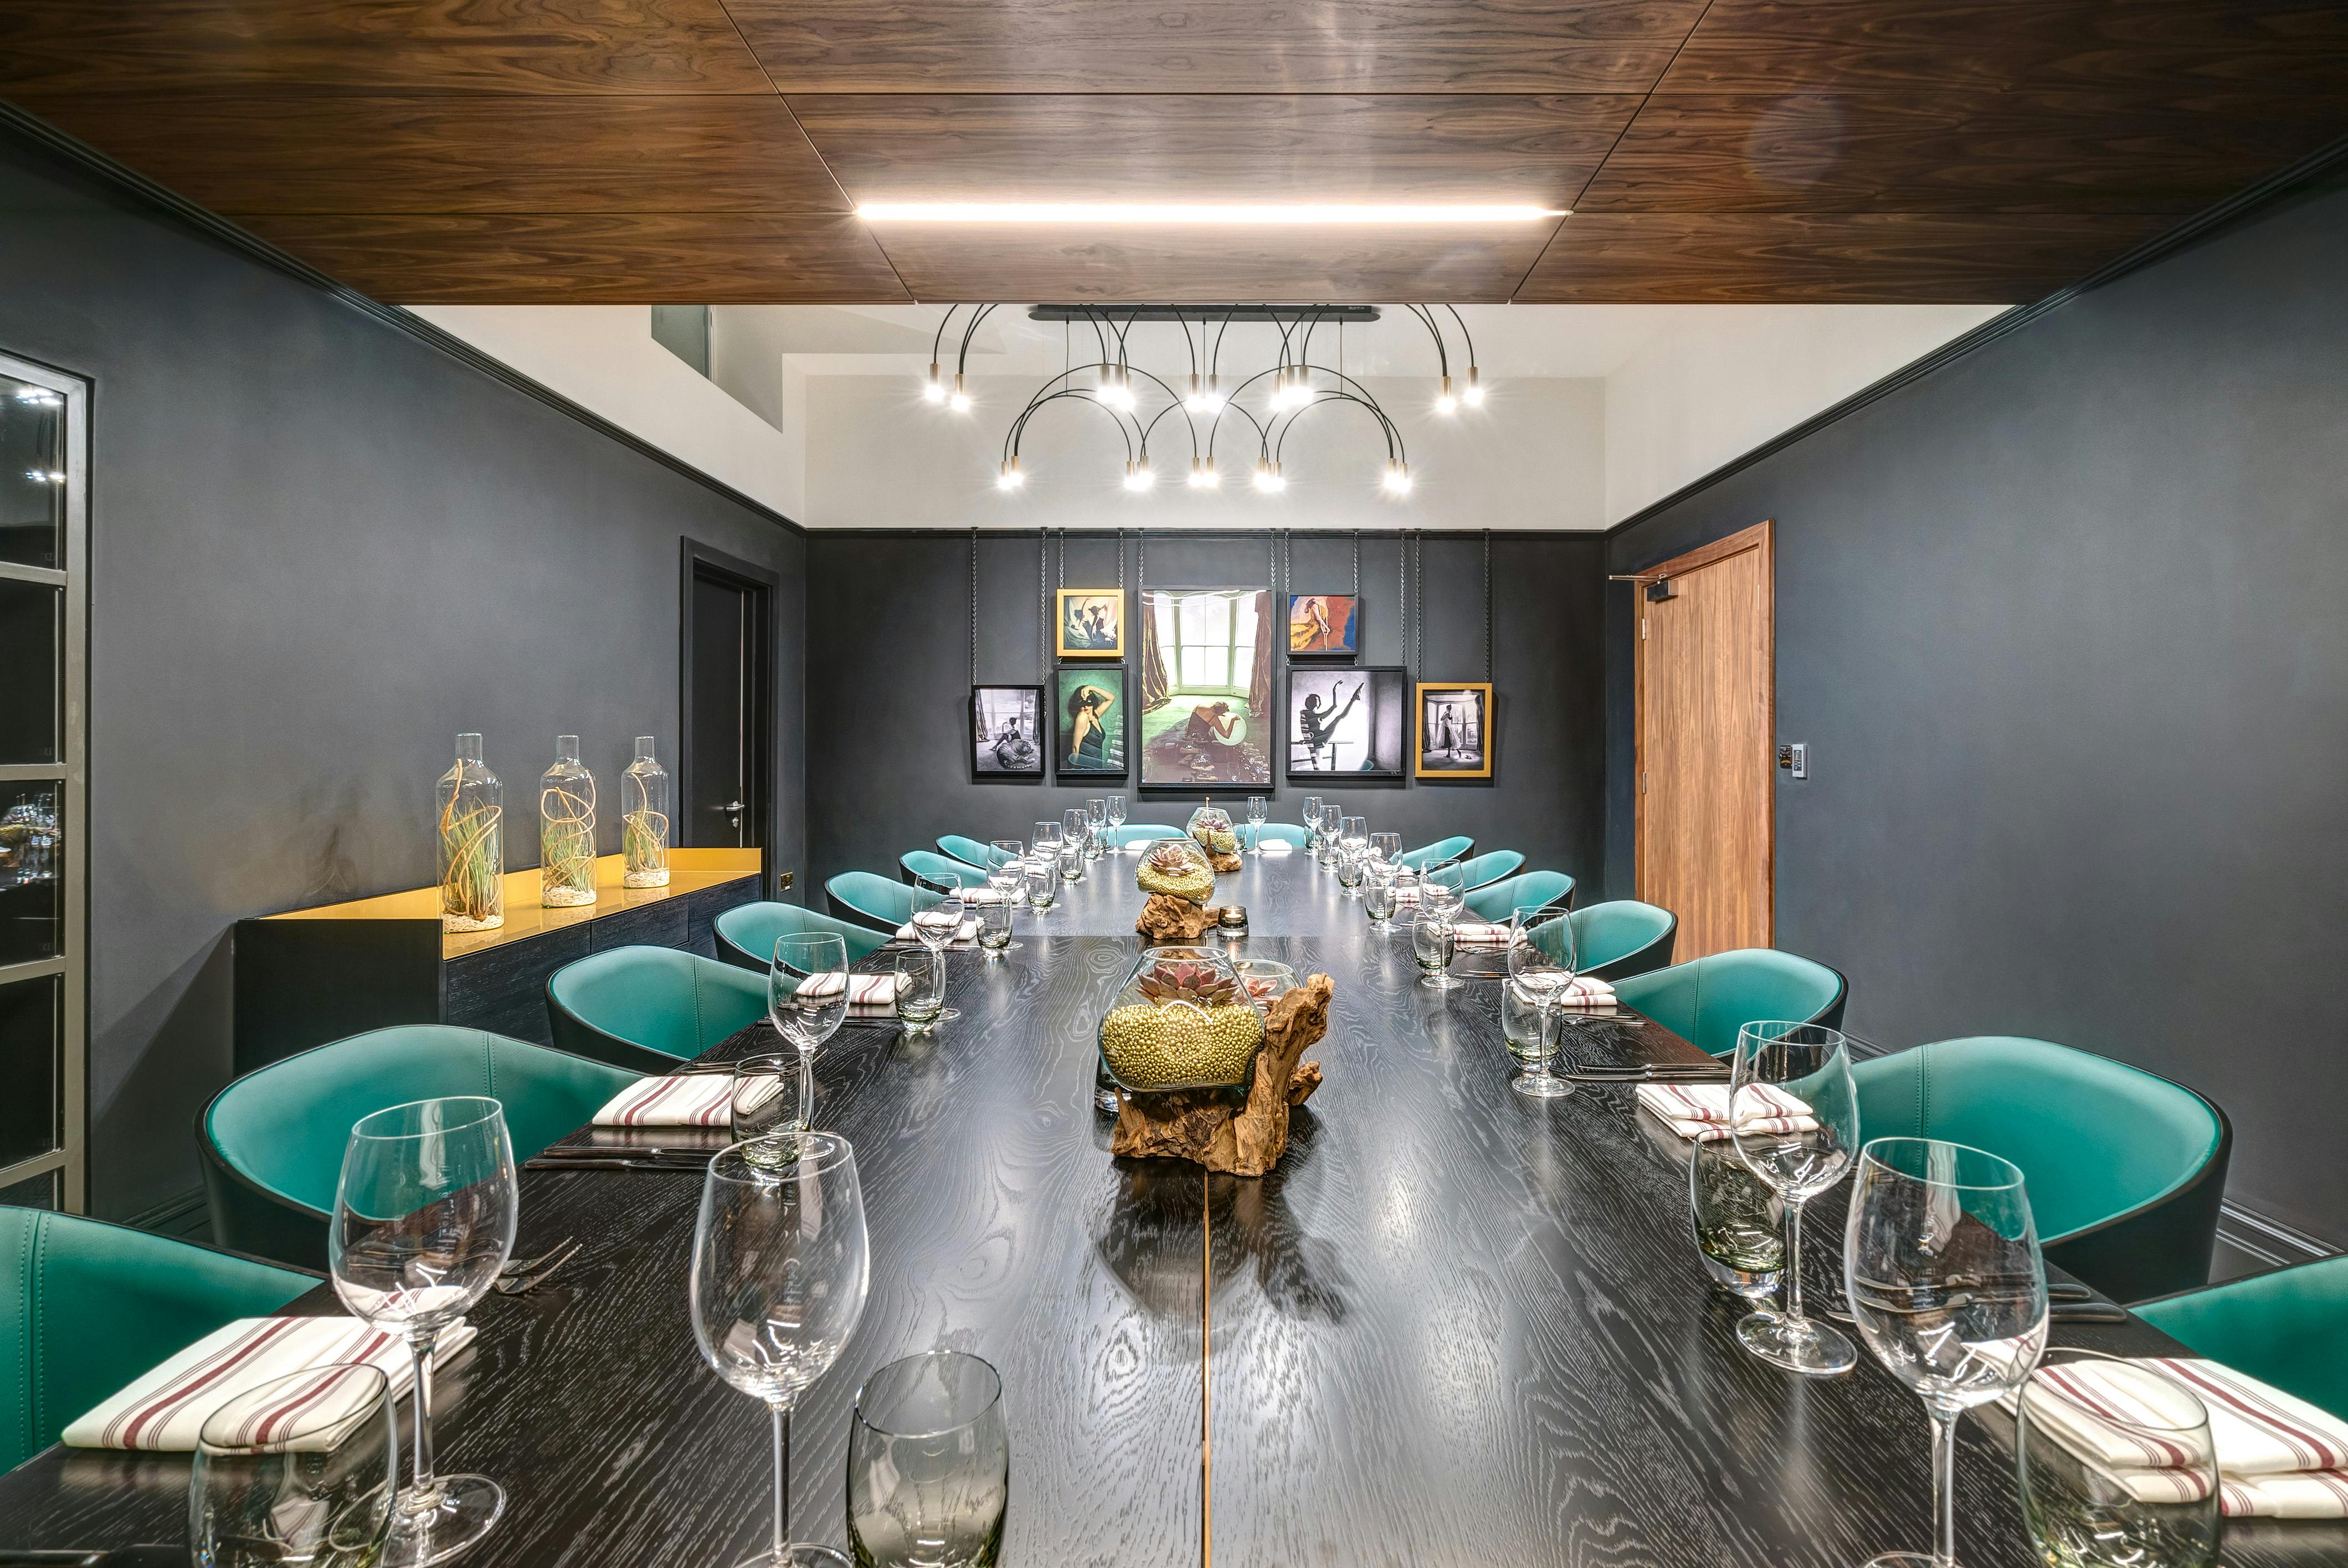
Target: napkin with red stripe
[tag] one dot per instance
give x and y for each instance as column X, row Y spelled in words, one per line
column 1483, row 933
column 964, row 934
column 165, row 1408
column 869, row 995
column 683, row 1100
column 1700, row 1111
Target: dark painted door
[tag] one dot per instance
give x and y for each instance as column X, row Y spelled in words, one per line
column 723, row 800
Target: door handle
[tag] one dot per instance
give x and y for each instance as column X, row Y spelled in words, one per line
column 731, row 806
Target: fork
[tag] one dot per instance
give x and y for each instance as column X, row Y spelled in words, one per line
column 519, row 1284
column 524, row 1265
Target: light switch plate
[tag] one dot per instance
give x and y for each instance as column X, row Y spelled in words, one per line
column 1794, row 757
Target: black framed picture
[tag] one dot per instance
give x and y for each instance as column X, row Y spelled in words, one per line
column 1347, row 723
column 1088, row 706
column 1006, row 731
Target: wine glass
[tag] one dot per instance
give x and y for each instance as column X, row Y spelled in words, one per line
column 1332, row 819
column 1354, row 830
column 424, row 1220
column 1096, row 823
column 1541, row 959
column 1940, row 1260
column 1006, row 869
column 781, row 1265
column 2116, row 1463
column 1046, row 836
column 1386, row 846
column 807, row 997
column 1258, row 809
column 1115, row 815
column 1811, row 1063
column 300, row 1470
column 929, row 1463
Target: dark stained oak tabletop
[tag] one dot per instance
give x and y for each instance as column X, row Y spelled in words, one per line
column 1455, row 1325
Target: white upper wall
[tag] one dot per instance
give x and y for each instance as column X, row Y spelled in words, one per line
column 1592, row 411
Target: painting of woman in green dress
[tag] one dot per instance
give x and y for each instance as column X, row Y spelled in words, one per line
column 1091, row 722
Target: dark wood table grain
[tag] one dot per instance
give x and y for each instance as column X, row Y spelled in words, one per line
column 1455, row 1326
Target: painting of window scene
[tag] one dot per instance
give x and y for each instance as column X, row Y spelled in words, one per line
column 1346, row 721
column 1323, row 624
column 1089, row 707
column 1006, row 731
column 1206, row 715
column 1092, row 624
column 1454, row 730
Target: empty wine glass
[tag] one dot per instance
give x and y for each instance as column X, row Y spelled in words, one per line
column 424, row 1220
column 1386, row 847
column 1258, row 809
column 300, row 1470
column 768, row 1099
column 1940, row 1262
column 781, row 1265
column 1332, row 819
column 1542, row 960
column 1811, row 1063
column 807, row 997
column 2117, row 1465
column 929, row 1463
column 1116, row 819
column 1047, row 837
column 1074, row 836
column 1006, row 870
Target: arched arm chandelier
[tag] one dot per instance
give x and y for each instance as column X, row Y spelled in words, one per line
column 1299, row 387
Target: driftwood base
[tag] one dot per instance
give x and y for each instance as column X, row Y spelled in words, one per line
column 1166, row 920
column 1206, row 1129
column 1225, row 864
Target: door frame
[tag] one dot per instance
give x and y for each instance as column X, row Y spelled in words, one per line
column 698, row 560
column 1761, row 536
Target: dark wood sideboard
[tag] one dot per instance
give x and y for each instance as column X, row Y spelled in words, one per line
column 311, row 975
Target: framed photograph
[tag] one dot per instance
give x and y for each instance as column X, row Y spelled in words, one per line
column 1092, row 623
column 1455, row 729
column 1208, row 719
column 1089, row 705
column 1006, row 731
column 1323, row 623
column 1347, row 722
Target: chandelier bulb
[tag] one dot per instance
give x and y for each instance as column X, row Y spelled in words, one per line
column 960, row 401
column 933, row 390
column 1474, row 396
column 1010, row 478
column 1446, row 401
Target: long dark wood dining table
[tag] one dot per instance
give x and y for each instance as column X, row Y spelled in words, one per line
column 1454, row 1326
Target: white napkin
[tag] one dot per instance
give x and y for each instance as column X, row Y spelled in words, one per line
column 965, row 932
column 1700, row 1111
column 165, row 1408
column 1276, row 846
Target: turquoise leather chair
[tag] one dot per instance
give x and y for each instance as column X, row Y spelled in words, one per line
column 747, row 933
column 1707, row 1000
column 939, row 869
column 869, row 900
column 1500, row 900
column 970, row 851
column 1486, row 869
column 2124, row 1169
column 271, row 1143
column 91, row 1306
column 1277, row 833
column 1622, row 937
column 1146, row 832
column 1418, row 860
column 648, row 1008
column 2283, row 1327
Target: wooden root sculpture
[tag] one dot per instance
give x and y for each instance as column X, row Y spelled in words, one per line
column 1226, row 863
column 1205, row 1127
column 1166, row 920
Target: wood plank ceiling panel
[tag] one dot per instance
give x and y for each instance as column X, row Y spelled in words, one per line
column 1214, row 45
column 928, row 147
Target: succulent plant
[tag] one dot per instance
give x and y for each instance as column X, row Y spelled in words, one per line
column 1183, row 981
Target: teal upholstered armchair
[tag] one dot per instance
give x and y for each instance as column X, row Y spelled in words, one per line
column 1707, row 1000
column 1498, row 902
column 648, row 1008
column 1425, row 855
column 940, row 868
column 1622, row 937
column 868, row 899
column 2286, row 1327
column 747, row 934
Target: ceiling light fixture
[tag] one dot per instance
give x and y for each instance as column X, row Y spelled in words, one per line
column 1198, row 214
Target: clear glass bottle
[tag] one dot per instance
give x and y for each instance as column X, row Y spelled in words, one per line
column 472, row 842
column 566, row 829
column 643, row 819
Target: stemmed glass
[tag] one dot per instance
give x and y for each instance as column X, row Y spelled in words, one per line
column 1047, row 839
column 1355, row 831
column 1384, row 847
column 1940, row 1260
column 1115, row 815
column 1006, row 870
column 424, row 1220
column 781, row 1265
column 1312, row 824
column 1257, row 809
column 1095, row 820
column 807, row 998
column 1811, row 1063
column 1542, row 961
column 1074, row 837
column 1332, row 820
column 938, row 913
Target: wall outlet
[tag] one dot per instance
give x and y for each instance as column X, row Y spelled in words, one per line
column 1794, row 759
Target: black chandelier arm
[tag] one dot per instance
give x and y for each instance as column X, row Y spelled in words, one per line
column 1434, row 329
column 1465, row 334
column 1045, row 393
column 1263, row 446
column 1172, row 403
column 977, row 317
column 1385, row 425
column 1019, row 428
column 1215, row 359
column 937, row 341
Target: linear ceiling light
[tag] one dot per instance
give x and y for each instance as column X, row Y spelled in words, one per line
column 1204, row 215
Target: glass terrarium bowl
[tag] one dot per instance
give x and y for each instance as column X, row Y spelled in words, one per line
column 1267, row 979
column 1178, row 868
column 1212, row 830
column 1184, row 1019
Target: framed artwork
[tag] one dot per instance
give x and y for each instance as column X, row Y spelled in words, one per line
column 1206, row 697
column 1006, row 731
column 1323, row 623
column 1347, row 722
column 1455, row 729
column 1092, row 623
column 1088, row 706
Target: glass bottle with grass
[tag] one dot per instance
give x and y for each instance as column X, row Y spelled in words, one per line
column 566, row 829
column 472, row 842
column 643, row 819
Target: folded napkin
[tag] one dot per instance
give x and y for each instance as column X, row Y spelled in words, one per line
column 869, row 995
column 690, row 1100
column 966, row 932
column 2279, row 1457
column 1483, row 933
column 1582, row 992
column 1700, row 1111
column 1276, row 846
column 984, row 895
column 166, row 1406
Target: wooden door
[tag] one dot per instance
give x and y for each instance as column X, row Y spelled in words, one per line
column 1706, row 694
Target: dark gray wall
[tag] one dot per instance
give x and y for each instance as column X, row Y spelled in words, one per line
column 320, row 548
column 889, row 660
column 2062, row 624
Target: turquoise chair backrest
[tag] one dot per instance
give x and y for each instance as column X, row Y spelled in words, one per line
column 283, row 1125
column 1488, row 868
column 941, row 869
column 1606, row 934
column 661, row 999
column 970, row 851
column 873, row 896
column 2095, row 1138
column 1441, row 850
column 752, row 929
column 2283, row 1327
column 1707, row 1000
column 1147, row 832
column 1499, row 901
column 86, row 1307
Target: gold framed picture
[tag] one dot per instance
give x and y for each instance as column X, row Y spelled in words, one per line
column 1092, row 624
column 1455, row 729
